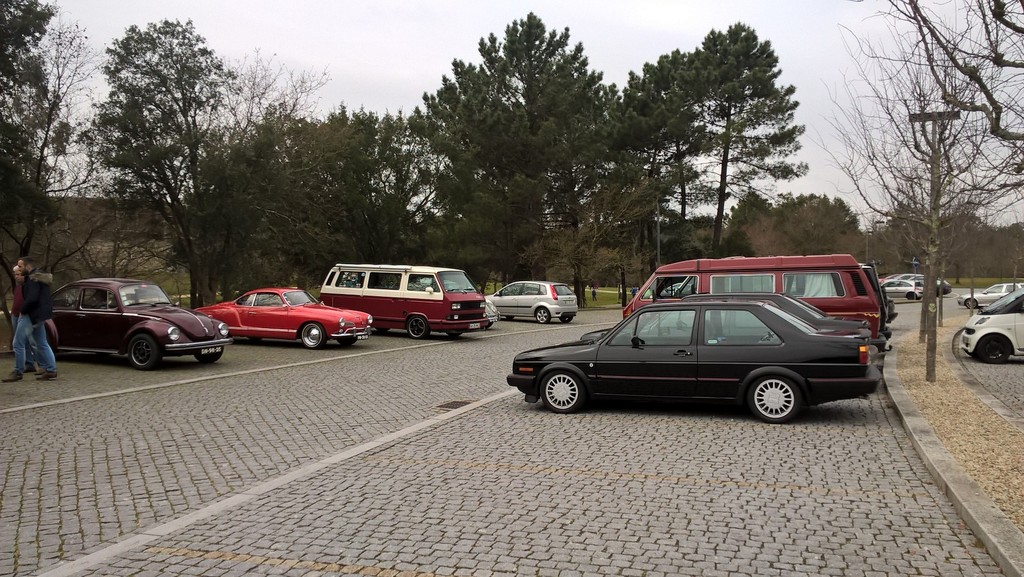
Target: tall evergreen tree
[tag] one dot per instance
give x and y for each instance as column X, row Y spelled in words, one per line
column 519, row 134
column 748, row 116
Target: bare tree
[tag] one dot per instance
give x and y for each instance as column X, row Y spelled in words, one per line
column 911, row 160
column 52, row 109
column 980, row 44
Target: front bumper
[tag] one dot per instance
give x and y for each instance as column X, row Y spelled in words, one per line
column 353, row 332
column 527, row 384
column 186, row 348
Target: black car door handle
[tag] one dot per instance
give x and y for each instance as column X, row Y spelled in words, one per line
column 683, row 353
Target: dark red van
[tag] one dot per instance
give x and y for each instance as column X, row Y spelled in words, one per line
column 835, row 283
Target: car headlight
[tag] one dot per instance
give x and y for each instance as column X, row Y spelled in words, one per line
column 456, row 306
column 343, row 323
column 369, row 319
column 173, row 333
column 222, row 329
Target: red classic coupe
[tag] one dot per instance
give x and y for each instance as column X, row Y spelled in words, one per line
column 289, row 314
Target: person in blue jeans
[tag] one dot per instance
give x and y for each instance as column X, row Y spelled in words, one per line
column 37, row 308
column 19, row 279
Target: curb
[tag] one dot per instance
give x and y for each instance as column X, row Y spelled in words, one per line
column 1002, row 539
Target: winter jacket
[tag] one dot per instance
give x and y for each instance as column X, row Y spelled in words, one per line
column 38, row 304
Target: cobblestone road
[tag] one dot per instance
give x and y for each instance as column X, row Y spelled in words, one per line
column 503, row 489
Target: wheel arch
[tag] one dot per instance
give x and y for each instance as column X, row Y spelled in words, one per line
column 140, row 328
column 567, row 367
column 774, row 371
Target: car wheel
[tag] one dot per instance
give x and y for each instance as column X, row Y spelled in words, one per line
column 143, row 352
column 971, row 303
column 911, row 296
column 563, row 392
column 566, row 319
column 542, row 315
column 417, row 327
column 774, row 399
column 347, row 341
column 210, row 357
column 313, row 335
column 994, row 349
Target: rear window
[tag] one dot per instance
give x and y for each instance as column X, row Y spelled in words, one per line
column 563, row 289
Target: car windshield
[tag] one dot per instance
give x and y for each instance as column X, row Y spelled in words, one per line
column 299, row 298
column 143, row 294
column 456, row 282
column 996, row 307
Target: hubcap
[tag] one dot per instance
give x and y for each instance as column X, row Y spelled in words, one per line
column 562, row 391
column 312, row 335
column 774, row 398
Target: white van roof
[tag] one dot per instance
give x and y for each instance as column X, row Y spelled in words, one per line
column 396, row 268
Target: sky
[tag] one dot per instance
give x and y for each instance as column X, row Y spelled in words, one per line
column 383, row 55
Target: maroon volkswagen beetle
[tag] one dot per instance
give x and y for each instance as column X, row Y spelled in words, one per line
column 133, row 317
column 290, row 314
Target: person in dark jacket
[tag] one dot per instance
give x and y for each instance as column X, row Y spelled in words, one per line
column 19, row 279
column 38, row 307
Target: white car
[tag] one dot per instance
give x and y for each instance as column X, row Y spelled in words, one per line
column 987, row 296
column 997, row 332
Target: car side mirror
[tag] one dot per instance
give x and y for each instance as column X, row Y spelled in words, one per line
column 637, row 342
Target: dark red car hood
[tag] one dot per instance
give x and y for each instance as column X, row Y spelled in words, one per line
column 196, row 326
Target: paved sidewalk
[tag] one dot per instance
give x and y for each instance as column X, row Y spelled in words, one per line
column 1001, row 388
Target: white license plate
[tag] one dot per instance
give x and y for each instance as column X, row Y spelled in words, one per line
column 210, row 350
column 361, row 337
column 474, row 325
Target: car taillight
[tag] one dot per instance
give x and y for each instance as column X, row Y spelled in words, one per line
column 864, row 357
column 554, row 295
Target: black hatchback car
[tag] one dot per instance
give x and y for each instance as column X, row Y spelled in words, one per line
column 723, row 351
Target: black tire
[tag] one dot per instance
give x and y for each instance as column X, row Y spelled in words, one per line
column 774, row 399
column 209, row 357
column 542, row 315
column 566, row 318
column 971, row 303
column 312, row 335
column 563, row 392
column 993, row 349
column 911, row 296
column 143, row 352
column 347, row 341
column 417, row 327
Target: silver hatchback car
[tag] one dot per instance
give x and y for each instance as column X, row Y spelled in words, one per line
column 542, row 300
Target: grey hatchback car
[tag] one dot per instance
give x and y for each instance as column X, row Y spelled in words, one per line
column 542, row 300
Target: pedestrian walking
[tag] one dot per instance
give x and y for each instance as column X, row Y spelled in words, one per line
column 593, row 292
column 37, row 307
column 19, row 280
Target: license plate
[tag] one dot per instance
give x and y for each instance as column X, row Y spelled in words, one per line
column 211, row 350
column 474, row 325
column 361, row 337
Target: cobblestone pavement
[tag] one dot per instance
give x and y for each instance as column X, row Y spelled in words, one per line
column 506, row 488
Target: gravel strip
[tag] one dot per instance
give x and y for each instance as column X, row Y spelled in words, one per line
column 989, row 448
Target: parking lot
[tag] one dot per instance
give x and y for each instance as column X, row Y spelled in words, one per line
column 397, row 456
